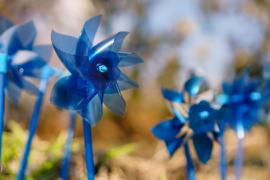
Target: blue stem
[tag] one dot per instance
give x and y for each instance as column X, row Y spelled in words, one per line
column 190, row 167
column 65, row 165
column 88, row 150
column 238, row 159
column 32, row 129
column 2, row 110
column 223, row 162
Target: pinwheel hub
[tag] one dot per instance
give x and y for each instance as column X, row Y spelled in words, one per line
column 204, row 114
column 103, row 67
column 255, row 96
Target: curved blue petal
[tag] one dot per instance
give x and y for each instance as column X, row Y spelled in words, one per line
column 166, row 130
column 113, row 43
column 13, row 92
column 72, row 93
column 116, row 103
column 29, row 87
column 44, row 51
column 173, row 145
column 89, row 30
column 27, row 34
column 193, row 85
column 4, row 24
column 125, row 82
column 202, row 117
column 93, row 111
column 66, row 48
column 203, row 147
column 173, row 96
column 18, row 37
column 65, row 43
column 128, row 59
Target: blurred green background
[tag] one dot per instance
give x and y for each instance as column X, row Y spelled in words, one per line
column 213, row 38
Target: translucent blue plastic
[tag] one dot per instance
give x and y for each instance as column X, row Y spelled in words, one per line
column 95, row 73
column 4, row 24
column 202, row 117
column 14, row 39
column 244, row 101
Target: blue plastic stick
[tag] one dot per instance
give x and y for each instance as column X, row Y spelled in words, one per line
column 66, row 160
column 32, row 129
column 90, row 168
column 239, row 151
column 190, row 167
column 3, row 70
column 223, row 162
column 2, row 109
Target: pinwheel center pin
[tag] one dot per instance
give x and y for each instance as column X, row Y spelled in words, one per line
column 102, row 68
column 204, row 114
column 254, row 96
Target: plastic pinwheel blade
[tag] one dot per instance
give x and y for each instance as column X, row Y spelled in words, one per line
column 93, row 112
column 27, row 34
column 29, row 87
column 89, row 30
column 166, row 130
column 193, row 85
column 13, row 92
column 66, row 48
column 203, row 146
column 172, row 95
column 112, row 43
column 202, row 117
column 19, row 37
column 116, row 103
column 128, row 59
column 66, row 93
column 44, row 51
column 123, row 83
column 4, row 24
column 173, row 145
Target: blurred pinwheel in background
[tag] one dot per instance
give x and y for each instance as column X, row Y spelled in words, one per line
column 95, row 77
column 13, row 40
column 194, row 119
column 242, row 103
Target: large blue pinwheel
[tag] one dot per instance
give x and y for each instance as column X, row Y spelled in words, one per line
column 95, row 77
column 242, row 101
column 200, row 118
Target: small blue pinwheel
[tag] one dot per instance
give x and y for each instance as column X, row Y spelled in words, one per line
column 37, row 68
column 12, row 40
column 95, row 77
column 21, row 59
column 242, row 101
column 199, row 120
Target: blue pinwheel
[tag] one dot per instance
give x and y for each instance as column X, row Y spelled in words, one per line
column 242, row 101
column 199, row 120
column 12, row 40
column 36, row 67
column 21, row 61
column 95, row 77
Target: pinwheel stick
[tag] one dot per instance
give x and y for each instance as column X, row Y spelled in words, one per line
column 88, row 150
column 32, row 128
column 66, row 160
column 190, row 167
column 239, row 151
column 223, row 163
column 3, row 70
